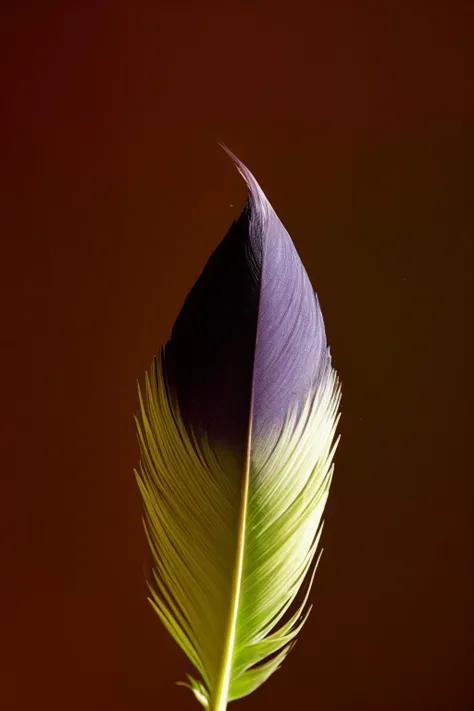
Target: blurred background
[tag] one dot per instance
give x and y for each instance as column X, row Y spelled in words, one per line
column 356, row 119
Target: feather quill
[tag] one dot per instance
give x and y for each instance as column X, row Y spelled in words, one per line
column 236, row 427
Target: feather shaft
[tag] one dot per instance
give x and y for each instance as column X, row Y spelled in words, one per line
column 219, row 702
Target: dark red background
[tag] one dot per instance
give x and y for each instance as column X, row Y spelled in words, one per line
column 357, row 120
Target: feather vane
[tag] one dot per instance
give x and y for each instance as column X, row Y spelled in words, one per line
column 236, row 427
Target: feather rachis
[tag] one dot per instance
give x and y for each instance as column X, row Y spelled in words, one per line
column 219, row 701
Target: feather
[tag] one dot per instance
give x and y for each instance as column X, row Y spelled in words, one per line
column 236, row 427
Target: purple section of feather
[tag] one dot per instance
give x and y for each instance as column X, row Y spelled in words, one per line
column 291, row 343
column 291, row 350
column 250, row 325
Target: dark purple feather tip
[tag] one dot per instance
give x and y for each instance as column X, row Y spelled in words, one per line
column 250, row 325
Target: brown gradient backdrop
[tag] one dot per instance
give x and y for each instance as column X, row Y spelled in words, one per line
column 355, row 117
